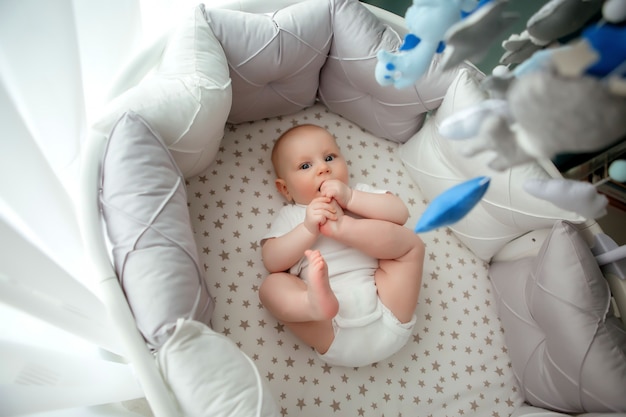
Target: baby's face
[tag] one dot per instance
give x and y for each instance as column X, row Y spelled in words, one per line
column 307, row 159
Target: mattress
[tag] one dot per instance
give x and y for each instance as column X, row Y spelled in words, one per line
column 456, row 362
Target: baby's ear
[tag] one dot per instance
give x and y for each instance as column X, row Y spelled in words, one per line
column 281, row 186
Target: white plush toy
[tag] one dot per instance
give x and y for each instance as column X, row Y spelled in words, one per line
column 568, row 99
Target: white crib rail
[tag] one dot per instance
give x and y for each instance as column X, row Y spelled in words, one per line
column 611, row 256
column 612, row 260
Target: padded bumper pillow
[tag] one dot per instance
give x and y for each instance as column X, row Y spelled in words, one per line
column 274, row 60
column 437, row 164
column 568, row 353
column 144, row 203
column 186, row 98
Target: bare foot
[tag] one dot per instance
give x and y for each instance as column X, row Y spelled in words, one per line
column 323, row 301
column 331, row 227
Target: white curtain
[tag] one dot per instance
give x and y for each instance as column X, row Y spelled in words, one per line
column 57, row 60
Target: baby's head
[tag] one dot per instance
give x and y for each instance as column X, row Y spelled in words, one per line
column 304, row 157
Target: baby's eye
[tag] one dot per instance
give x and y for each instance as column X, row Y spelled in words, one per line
column 305, row 165
column 329, row 158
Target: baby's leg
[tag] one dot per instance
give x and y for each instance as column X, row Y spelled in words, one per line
column 401, row 258
column 306, row 310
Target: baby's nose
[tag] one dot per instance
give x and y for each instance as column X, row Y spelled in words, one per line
column 323, row 168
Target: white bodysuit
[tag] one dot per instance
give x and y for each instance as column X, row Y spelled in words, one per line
column 366, row 331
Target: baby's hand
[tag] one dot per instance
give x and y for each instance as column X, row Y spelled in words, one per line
column 318, row 212
column 336, row 189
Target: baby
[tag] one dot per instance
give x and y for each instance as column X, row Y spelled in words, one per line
column 345, row 273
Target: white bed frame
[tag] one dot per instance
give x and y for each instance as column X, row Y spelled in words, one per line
column 156, row 391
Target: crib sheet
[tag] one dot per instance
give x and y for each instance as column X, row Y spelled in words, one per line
column 455, row 364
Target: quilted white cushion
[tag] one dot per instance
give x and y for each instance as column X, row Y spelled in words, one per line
column 144, row 203
column 210, row 376
column 186, row 98
column 567, row 354
column 348, row 86
column 506, row 211
column 274, row 60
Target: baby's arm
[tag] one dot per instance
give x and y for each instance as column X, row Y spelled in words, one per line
column 281, row 253
column 386, row 206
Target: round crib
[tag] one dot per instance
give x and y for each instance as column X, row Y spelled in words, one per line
column 181, row 164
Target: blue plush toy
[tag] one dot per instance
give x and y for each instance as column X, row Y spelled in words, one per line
column 453, row 204
column 467, row 27
column 427, row 22
column 609, row 42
